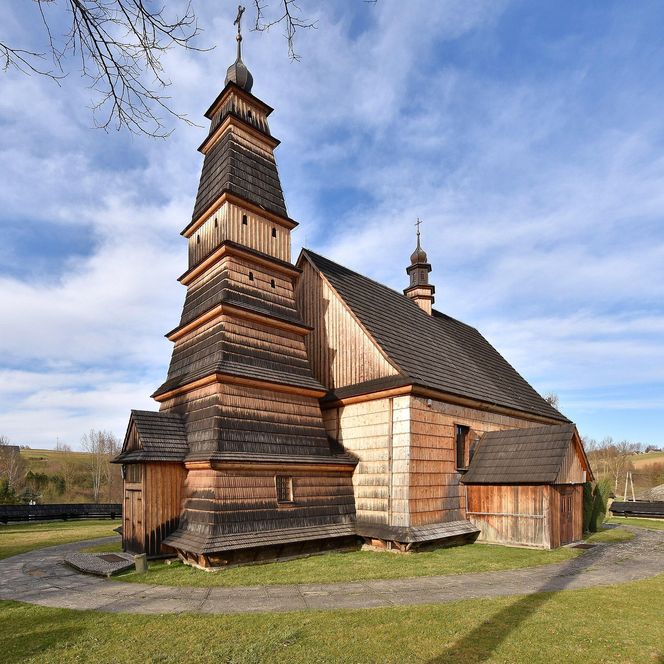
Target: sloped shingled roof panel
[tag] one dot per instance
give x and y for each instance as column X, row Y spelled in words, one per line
column 520, row 456
column 162, row 437
column 435, row 351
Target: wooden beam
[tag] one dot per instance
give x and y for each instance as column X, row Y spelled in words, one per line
column 269, row 466
column 228, row 249
column 234, row 121
column 221, row 377
column 235, row 311
column 437, row 395
column 233, row 89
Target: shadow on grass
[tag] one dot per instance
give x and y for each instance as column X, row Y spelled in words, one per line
column 480, row 644
column 25, row 637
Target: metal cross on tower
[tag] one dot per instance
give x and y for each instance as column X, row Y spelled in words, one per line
column 238, row 22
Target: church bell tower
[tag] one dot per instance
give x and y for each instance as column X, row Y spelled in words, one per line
column 419, row 289
column 261, row 473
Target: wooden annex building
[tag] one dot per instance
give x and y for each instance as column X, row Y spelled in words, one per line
column 308, row 407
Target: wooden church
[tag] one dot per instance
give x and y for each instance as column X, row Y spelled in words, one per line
column 308, row 407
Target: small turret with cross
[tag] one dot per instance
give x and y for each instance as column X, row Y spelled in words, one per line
column 420, row 290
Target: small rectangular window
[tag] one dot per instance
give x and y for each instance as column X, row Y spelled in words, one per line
column 461, row 443
column 274, row 232
column 244, row 219
column 284, row 484
column 251, row 276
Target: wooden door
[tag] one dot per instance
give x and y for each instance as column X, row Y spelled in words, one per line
column 566, row 515
column 132, row 527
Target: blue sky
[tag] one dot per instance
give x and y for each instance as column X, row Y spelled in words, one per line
column 528, row 136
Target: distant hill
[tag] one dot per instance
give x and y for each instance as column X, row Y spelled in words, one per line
column 74, row 469
column 50, row 461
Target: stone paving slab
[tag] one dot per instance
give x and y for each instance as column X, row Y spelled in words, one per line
column 40, row 577
column 99, row 564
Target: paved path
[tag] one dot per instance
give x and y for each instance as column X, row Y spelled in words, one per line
column 40, row 577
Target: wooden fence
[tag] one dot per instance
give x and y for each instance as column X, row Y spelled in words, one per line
column 60, row 512
column 653, row 510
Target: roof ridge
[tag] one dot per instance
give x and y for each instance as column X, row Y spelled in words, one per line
column 436, row 350
column 436, row 312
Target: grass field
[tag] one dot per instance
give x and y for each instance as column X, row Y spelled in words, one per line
column 642, row 460
column 560, row 627
column 548, row 627
column 354, row 566
column 610, row 536
column 652, row 524
column 35, row 456
column 18, row 538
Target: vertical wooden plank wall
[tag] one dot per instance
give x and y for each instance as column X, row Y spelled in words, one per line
column 226, row 224
column 162, row 502
column 512, row 514
column 340, row 351
column 436, row 493
column 378, row 432
column 571, row 471
column 555, row 491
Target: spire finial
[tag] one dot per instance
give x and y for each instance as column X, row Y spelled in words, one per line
column 238, row 73
column 238, row 22
column 417, row 223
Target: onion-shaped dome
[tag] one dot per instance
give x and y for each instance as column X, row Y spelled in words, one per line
column 419, row 255
column 239, row 74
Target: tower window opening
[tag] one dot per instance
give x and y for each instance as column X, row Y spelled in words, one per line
column 244, row 219
column 198, row 239
column 272, row 283
column 249, row 114
column 461, row 446
column 274, row 232
column 216, row 222
column 251, row 276
column 284, row 487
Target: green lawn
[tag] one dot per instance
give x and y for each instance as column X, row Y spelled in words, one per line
column 572, row 626
column 19, row 538
column 354, row 566
column 653, row 524
column 611, row 535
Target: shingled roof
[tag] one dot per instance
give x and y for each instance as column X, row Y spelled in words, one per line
column 520, row 456
column 161, row 437
column 231, row 167
column 434, row 351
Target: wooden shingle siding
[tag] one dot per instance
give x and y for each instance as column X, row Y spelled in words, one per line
column 222, row 504
column 231, row 418
column 233, row 165
column 340, row 351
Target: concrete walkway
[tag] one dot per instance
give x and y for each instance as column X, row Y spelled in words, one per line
column 40, row 577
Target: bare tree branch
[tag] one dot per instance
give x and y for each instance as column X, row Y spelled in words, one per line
column 289, row 15
column 119, row 45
